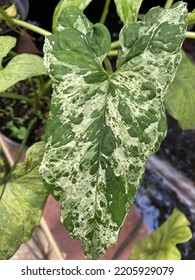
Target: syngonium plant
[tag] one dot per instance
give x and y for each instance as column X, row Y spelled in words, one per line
column 103, row 125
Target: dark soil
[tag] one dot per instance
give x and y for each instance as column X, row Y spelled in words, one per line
column 16, row 115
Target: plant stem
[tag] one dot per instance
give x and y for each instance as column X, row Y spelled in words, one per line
column 115, row 44
column 7, row 18
column 41, row 87
column 9, row 21
column 168, row 4
column 47, row 85
column 23, row 144
column 113, row 53
column 105, row 12
column 32, row 27
column 190, row 35
column 15, row 96
column 108, row 65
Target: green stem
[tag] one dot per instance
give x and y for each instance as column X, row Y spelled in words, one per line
column 18, row 156
column 47, row 85
column 105, row 12
column 31, row 27
column 113, row 53
column 115, row 44
column 168, row 4
column 190, row 35
column 37, row 95
column 15, row 96
column 23, row 144
column 108, row 65
column 41, row 87
column 7, row 18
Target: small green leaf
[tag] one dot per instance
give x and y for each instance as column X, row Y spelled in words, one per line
column 81, row 4
column 180, row 98
column 128, row 10
column 161, row 244
column 6, row 44
column 103, row 126
column 191, row 17
column 21, row 67
column 22, row 199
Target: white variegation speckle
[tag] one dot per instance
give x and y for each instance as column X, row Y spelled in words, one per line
column 103, row 127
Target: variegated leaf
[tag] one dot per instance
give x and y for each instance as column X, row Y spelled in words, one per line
column 81, row 4
column 22, row 200
column 103, row 126
column 128, row 9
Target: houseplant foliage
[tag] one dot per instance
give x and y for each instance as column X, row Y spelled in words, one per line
column 103, row 125
column 22, row 86
column 20, row 67
column 161, row 244
column 180, row 92
column 21, row 213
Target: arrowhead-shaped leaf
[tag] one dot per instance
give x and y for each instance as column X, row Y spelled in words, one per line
column 180, row 98
column 103, row 126
column 22, row 199
column 161, row 244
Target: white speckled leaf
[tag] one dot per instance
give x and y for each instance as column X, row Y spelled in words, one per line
column 128, row 9
column 81, row 4
column 102, row 127
column 22, row 200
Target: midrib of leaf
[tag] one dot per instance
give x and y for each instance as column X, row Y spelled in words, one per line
column 100, row 149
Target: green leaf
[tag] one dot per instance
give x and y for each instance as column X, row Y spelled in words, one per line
column 6, row 43
column 161, row 244
column 21, row 67
column 191, row 17
column 81, row 4
column 103, row 126
column 180, row 98
column 22, row 199
column 128, row 10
